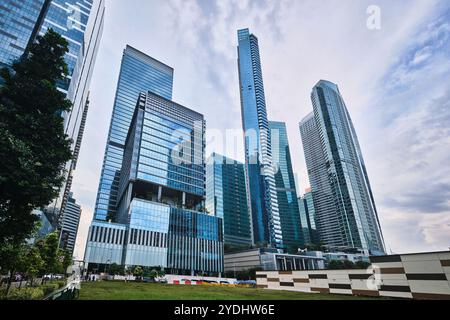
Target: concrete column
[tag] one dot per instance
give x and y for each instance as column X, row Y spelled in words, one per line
column 183, row 201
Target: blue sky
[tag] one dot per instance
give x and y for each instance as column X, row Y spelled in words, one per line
column 395, row 82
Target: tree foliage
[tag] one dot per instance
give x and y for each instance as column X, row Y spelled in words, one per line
column 33, row 144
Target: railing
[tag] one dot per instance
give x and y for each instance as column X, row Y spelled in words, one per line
column 69, row 292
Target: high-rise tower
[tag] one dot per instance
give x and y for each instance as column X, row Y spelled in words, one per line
column 285, row 184
column 138, row 73
column 258, row 153
column 226, row 198
column 346, row 214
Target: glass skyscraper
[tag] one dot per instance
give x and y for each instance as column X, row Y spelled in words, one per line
column 285, row 186
column 226, row 198
column 80, row 22
column 138, row 73
column 308, row 218
column 258, row 153
column 18, row 24
column 345, row 209
column 160, row 215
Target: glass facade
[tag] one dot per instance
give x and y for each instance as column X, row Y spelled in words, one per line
column 308, row 219
column 138, row 73
column 161, row 194
column 17, row 23
column 226, row 198
column 342, row 195
column 69, row 226
column 258, row 157
column 285, row 185
column 80, row 22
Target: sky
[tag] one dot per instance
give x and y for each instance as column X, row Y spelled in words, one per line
column 393, row 73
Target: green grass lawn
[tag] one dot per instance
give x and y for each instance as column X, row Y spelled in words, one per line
column 118, row 290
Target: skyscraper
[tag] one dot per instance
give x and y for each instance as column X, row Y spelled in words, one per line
column 285, row 186
column 161, row 219
column 258, row 153
column 80, row 22
column 345, row 209
column 308, row 218
column 138, row 73
column 226, row 198
column 69, row 225
column 20, row 21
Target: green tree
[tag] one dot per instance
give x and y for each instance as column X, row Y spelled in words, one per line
column 116, row 269
column 31, row 263
column 11, row 256
column 32, row 139
column 48, row 248
column 153, row 274
column 138, row 271
column 64, row 260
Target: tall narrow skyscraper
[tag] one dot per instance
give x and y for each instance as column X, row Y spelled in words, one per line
column 258, row 153
column 345, row 209
column 226, row 198
column 138, row 73
column 286, row 191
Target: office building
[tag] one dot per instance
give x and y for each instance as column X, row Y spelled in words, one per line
column 308, row 218
column 226, row 198
column 161, row 219
column 345, row 210
column 80, row 22
column 19, row 23
column 285, row 185
column 258, row 155
column 69, row 224
column 138, row 73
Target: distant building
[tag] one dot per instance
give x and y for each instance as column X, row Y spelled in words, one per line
column 69, row 224
column 226, row 198
column 337, row 255
column 288, row 206
column 345, row 209
column 270, row 259
column 308, row 218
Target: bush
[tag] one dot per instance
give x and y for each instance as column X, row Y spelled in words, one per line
column 26, row 294
column 49, row 288
column 2, row 293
